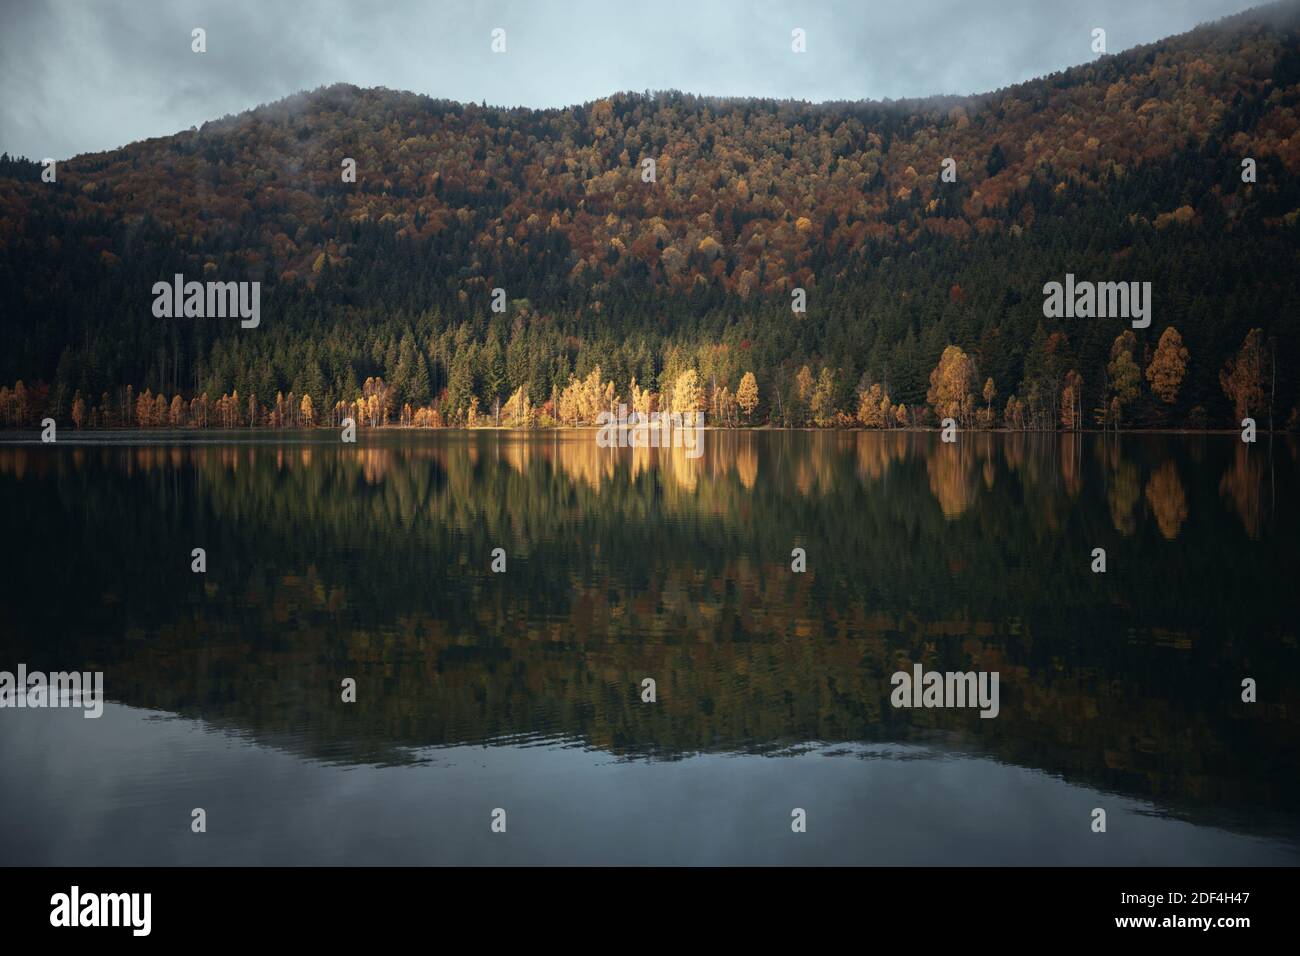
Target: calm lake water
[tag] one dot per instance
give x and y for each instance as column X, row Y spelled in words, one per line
column 522, row 690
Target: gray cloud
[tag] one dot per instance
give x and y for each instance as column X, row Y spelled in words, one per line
column 88, row 75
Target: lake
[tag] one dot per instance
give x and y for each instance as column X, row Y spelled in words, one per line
column 522, row 690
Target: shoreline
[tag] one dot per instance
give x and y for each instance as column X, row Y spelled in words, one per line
column 246, row 429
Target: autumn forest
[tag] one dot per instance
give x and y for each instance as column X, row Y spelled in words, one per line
column 768, row 263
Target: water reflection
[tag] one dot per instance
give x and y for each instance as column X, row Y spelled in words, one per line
column 373, row 562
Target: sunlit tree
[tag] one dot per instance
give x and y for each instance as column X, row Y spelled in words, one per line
column 823, row 398
column 686, row 393
column 951, row 383
column 747, row 395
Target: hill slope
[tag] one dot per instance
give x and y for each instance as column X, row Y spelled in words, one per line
column 1126, row 169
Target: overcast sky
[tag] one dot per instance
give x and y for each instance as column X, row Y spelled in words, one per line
column 87, row 75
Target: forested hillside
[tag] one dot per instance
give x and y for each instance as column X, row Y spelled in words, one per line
column 924, row 297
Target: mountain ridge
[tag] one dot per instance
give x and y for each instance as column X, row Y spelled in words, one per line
column 1281, row 13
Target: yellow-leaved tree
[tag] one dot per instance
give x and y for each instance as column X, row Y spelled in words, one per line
column 1168, row 366
column 747, row 395
column 951, row 383
column 686, row 393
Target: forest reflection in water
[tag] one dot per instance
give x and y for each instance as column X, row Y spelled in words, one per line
column 373, row 561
